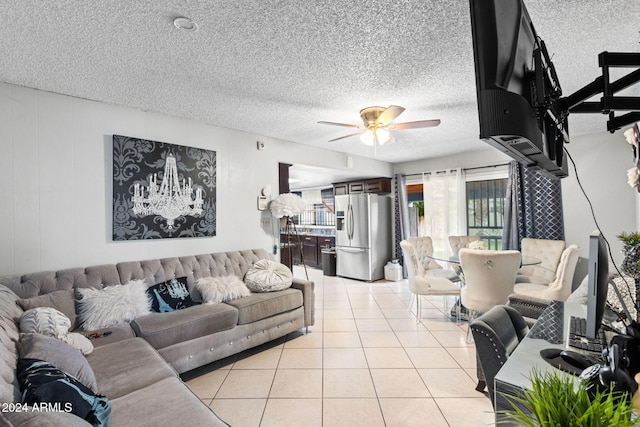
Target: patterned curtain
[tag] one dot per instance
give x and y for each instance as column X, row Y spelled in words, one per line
column 401, row 215
column 533, row 207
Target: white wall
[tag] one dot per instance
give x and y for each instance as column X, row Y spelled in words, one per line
column 602, row 161
column 56, row 183
column 470, row 159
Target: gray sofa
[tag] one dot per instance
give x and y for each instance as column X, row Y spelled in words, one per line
column 137, row 364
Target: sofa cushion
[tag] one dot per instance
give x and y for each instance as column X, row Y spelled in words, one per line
column 43, row 382
column 268, row 276
column 41, row 419
column 164, row 329
column 170, row 295
column 62, row 301
column 164, row 403
column 221, row 289
column 125, row 366
column 59, row 354
column 262, row 305
column 101, row 308
column 111, row 334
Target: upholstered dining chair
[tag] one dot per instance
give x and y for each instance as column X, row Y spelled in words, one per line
column 496, row 334
column 459, row 242
column 548, row 252
column 559, row 288
column 489, row 278
column 426, row 281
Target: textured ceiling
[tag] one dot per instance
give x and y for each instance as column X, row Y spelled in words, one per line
column 276, row 67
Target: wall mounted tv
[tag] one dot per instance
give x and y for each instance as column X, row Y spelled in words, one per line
column 520, row 105
column 517, row 87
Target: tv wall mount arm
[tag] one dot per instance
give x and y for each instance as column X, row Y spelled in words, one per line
column 609, row 103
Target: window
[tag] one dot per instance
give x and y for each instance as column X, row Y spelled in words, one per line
column 485, row 190
column 485, row 210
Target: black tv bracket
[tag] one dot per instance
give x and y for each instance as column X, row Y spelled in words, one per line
column 609, row 103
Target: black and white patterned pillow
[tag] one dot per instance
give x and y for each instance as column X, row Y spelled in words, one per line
column 43, row 383
column 170, row 295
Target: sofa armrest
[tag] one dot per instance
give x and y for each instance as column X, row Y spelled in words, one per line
column 308, row 299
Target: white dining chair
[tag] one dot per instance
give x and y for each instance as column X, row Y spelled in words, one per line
column 429, row 281
column 548, row 252
column 489, row 279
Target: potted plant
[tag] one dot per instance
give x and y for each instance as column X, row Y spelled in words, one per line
column 556, row 400
column 631, row 249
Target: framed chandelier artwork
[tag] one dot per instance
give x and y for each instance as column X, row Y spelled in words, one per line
column 162, row 190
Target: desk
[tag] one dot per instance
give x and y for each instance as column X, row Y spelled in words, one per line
column 513, row 376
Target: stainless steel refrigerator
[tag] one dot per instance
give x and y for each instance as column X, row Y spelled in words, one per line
column 363, row 235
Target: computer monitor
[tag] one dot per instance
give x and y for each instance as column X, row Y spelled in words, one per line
column 598, row 283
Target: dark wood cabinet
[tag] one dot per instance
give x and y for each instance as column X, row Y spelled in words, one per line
column 311, row 249
column 340, row 189
column 374, row 185
column 378, row 185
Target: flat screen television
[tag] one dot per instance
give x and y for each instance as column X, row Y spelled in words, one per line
column 517, row 87
column 598, row 283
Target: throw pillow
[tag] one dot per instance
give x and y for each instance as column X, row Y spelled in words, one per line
column 62, row 301
column 268, row 276
column 221, row 289
column 170, row 295
column 50, row 322
column 62, row 355
column 42, row 382
column 46, row 321
column 101, row 308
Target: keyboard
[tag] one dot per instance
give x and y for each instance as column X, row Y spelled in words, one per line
column 577, row 338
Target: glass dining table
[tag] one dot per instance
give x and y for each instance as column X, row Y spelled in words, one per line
column 454, row 259
column 444, row 256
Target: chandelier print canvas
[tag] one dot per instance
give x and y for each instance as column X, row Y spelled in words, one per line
column 162, row 190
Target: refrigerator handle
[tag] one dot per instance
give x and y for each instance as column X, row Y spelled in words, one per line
column 350, row 222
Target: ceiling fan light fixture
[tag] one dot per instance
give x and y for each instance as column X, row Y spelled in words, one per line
column 383, row 136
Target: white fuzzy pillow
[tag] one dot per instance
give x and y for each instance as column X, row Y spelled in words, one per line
column 53, row 323
column 268, row 276
column 221, row 289
column 101, row 308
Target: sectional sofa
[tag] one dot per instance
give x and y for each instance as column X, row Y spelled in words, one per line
column 136, row 364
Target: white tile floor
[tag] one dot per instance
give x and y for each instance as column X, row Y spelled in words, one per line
column 365, row 363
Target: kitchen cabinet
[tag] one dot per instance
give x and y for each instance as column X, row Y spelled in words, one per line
column 310, row 250
column 374, row 185
column 311, row 247
column 289, row 249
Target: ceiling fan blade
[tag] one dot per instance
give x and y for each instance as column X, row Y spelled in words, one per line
column 390, row 114
column 346, row 125
column 414, row 125
column 346, row 136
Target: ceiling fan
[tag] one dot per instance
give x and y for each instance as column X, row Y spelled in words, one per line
column 378, row 121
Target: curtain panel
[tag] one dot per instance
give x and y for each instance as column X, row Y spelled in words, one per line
column 401, row 213
column 444, row 207
column 533, row 207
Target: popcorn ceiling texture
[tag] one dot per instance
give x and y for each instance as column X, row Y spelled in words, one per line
column 276, row 67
